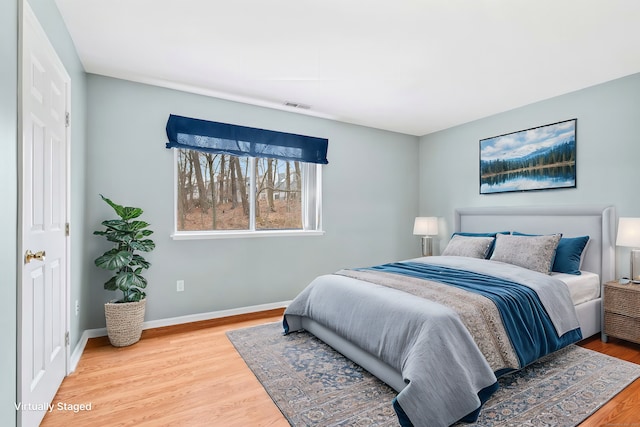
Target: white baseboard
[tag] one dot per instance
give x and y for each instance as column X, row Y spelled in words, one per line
column 102, row 332
column 211, row 315
column 77, row 353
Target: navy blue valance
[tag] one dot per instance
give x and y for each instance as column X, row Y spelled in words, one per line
column 214, row 137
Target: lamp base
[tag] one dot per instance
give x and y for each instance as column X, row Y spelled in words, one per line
column 635, row 266
column 427, row 246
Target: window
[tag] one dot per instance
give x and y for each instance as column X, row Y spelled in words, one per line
column 222, row 190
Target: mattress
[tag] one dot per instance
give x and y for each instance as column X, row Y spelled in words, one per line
column 582, row 288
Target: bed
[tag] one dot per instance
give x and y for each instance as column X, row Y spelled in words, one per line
column 452, row 340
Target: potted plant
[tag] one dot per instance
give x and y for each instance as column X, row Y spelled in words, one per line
column 124, row 316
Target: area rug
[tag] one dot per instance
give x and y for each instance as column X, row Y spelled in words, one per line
column 315, row 386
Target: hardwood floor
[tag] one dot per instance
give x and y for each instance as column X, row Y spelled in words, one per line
column 190, row 375
column 186, row 375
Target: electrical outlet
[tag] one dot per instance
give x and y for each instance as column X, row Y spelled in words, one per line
column 180, row 285
column 77, row 307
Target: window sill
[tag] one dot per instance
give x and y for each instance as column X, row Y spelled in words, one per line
column 200, row 235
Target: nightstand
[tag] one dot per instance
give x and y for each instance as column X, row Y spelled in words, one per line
column 621, row 317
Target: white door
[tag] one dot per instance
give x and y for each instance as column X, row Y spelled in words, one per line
column 43, row 296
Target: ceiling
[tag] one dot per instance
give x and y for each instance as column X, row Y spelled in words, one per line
column 409, row 66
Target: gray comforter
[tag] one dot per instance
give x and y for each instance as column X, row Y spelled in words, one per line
column 427, row 341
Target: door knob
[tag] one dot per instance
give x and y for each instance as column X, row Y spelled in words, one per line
column 31, row 256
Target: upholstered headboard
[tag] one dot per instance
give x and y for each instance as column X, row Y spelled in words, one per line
column 598, row 222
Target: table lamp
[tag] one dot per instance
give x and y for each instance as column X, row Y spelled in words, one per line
column 629, row 236
column 426, row 227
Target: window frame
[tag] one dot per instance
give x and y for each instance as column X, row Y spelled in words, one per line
column 315, row 216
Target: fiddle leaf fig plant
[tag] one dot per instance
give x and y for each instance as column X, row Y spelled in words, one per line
column 129, row 236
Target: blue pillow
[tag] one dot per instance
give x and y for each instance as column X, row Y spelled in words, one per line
column 491, row 246
column 568, row 254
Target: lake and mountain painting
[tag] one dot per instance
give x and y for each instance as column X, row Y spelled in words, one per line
column 534, row 159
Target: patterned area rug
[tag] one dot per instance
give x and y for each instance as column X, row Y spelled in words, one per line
column 313, row 385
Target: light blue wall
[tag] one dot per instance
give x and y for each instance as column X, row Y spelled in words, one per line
column 8, row 215
column 608, row 151
column 370, row 188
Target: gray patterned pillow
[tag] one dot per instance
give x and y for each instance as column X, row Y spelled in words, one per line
column 474, row 247
column 532, row 252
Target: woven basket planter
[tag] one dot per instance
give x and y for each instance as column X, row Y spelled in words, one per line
column 124, row 322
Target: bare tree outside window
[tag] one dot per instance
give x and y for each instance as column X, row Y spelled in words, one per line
column 214, row 192
column 278, row 198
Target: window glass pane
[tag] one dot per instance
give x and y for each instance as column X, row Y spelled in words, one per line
column 222, row 192
column 212, row 191
column 278, row 194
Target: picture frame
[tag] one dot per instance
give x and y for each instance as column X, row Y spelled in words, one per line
column 539, row 158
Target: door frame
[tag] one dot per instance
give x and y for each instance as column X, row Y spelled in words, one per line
column 26, row 14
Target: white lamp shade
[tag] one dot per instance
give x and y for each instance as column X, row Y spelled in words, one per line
column 628, row 232
column 425, row 226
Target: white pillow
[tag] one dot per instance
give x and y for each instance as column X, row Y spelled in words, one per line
column 532, row 252
column 473, row 247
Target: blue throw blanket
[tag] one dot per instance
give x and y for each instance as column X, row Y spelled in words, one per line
column 527, row 323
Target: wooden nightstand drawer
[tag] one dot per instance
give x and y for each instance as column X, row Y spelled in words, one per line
column 622, row 299
column 621, row 311
column 619, row 326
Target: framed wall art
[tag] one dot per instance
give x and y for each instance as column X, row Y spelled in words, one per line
column 539, row 158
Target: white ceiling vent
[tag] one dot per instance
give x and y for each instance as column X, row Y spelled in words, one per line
column 297, row 105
